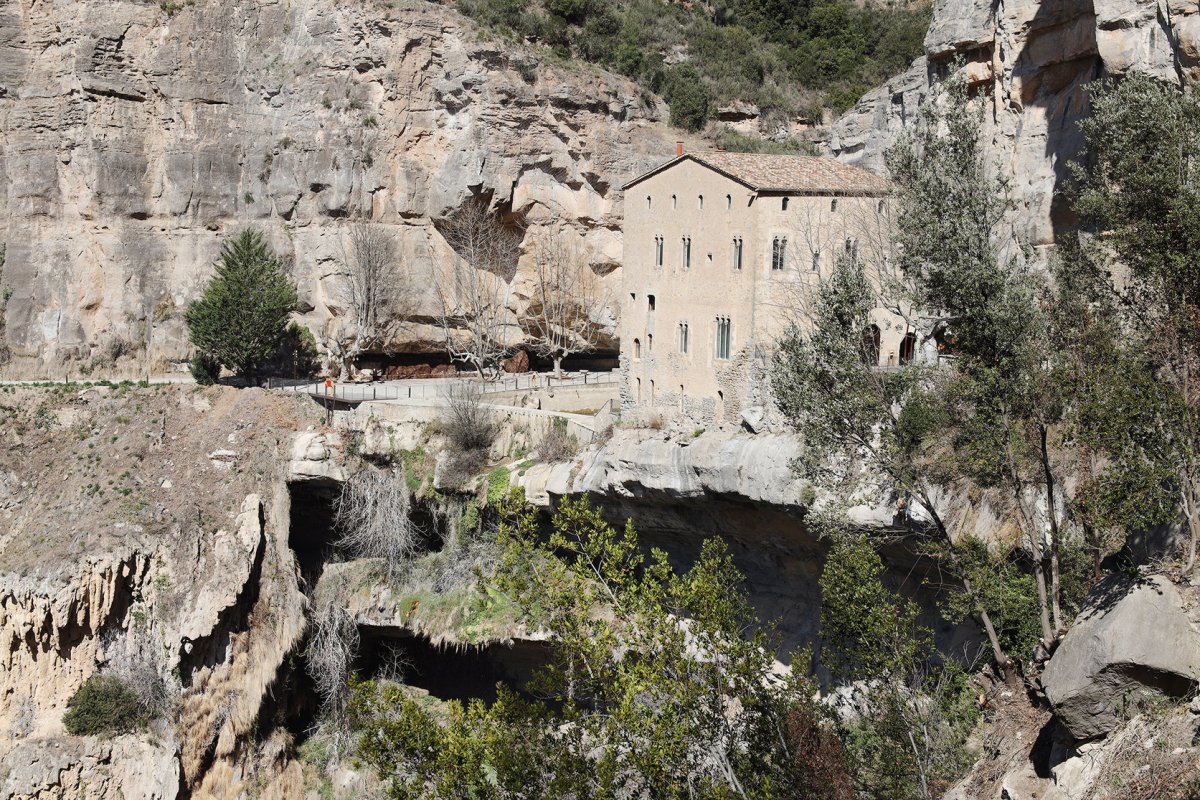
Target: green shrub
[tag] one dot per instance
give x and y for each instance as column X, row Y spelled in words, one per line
column 497, row 485
column 103, row 704
column 688, row 97
column 818, row 52
column 205, row 369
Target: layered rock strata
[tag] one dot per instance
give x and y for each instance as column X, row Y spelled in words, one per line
column 1031, row 61
column 134, row 138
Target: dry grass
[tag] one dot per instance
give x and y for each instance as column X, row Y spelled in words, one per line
column 558, row 445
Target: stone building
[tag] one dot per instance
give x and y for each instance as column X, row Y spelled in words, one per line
column 721, row 252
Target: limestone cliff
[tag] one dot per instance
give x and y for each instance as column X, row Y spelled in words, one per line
column 134, row 137
column 1031, row 59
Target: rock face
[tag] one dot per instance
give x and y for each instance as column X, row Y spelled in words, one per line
column 146, row 559
column 1131, row 643
column 1031, row 61
column 123, row 768
column 134, row 139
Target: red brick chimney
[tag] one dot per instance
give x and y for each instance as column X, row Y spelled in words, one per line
column 679, row 148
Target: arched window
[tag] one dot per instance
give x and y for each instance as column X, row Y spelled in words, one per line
column 683, row 337
column 701, row 203
column 647, row 202
column 658, row 251
column 784, row 204
column 735, row 255
column 880, row 207
column 685, row 259
column 908, row 348
column 728, row 202
column 833, row 204
column 649, row 343
column 778, row 253
column 637, row 348
column 674, row 201
column 724, row 343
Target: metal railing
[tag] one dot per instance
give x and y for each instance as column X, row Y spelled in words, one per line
column 436, row 388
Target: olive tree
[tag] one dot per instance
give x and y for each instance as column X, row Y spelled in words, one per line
column 1138, row 190
column 966, row 264
column 863, row 428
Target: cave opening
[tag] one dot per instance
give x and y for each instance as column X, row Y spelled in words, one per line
column 449, row 672
column 312, row 534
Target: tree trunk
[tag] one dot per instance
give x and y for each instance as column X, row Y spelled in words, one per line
column 1002, row 660
column 1191, row 505
column 1037, row 550
column 1039, row 575
column 558, row 367
column 1052, row 517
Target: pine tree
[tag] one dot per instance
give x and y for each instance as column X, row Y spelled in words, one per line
column 241, row 319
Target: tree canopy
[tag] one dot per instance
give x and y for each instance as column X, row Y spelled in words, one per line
column 241, row 319
column 657, row 685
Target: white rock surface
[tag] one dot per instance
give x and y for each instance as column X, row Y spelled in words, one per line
column 1132, row 642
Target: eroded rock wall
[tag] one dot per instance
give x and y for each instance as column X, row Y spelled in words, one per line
column 134, row 139
column 1031, row 61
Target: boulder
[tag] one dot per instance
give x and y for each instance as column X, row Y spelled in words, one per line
column 1133, row 641
column 518, row 362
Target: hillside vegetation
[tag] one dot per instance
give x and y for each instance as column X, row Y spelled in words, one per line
column 788, row 57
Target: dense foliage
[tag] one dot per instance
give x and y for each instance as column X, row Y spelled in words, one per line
column 104, row 704
column 657, row 686
column 1138, row 185
column 787, row 58
column 908, row 736
column 241, row 319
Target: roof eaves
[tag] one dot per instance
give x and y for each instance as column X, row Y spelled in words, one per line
column 693, row 157
column 827, row 192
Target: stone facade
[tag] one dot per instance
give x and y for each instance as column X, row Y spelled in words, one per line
column 734, row 305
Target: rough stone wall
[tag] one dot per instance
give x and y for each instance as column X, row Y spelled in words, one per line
column 1031, row 59
column 133, row 140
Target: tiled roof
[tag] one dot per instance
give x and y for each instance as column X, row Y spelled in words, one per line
column 791, row 174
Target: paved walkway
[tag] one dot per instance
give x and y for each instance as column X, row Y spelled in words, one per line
column 436, row 389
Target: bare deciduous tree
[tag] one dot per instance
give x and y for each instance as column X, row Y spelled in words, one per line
column 332, row 647
column 377, row 306
column 567, row 311
column 474, row 293
column 374, row 520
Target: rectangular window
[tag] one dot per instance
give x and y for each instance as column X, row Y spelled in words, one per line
column 658, row 251
column 724, row 338
column 683, row 337
column 736, row 255
column 687, row 252
column 778, row 252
